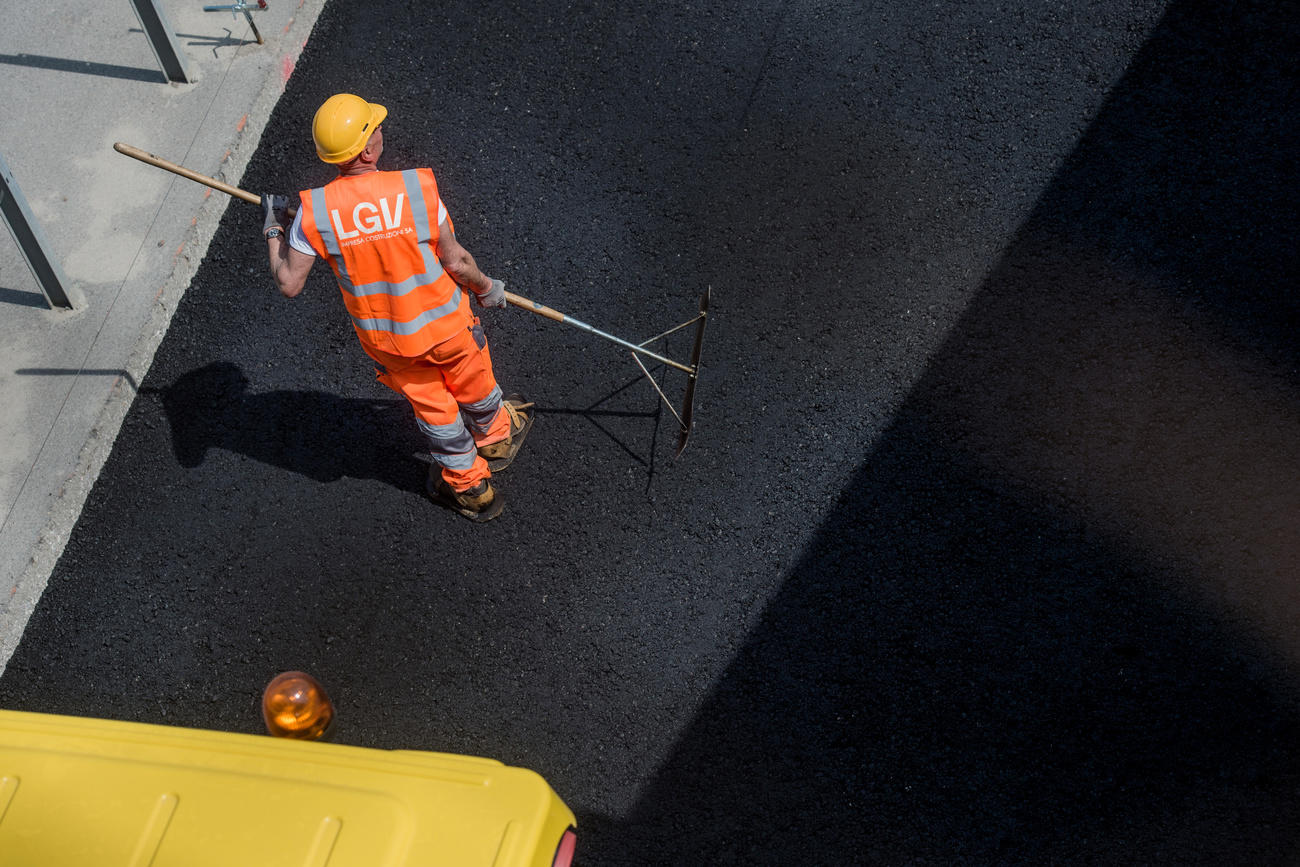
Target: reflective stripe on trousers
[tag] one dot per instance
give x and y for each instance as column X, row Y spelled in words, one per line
column 456, row 400
column 455, row 445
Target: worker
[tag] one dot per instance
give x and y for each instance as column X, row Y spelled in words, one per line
column 406, row 284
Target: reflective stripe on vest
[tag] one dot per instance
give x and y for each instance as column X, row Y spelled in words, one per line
column 365, row 300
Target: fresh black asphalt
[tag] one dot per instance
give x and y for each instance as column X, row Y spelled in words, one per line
column 984, row 545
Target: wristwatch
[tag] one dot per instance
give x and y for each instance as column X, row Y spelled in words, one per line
column 273, row 232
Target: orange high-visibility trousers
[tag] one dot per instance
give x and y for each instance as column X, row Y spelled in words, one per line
column 456, row 400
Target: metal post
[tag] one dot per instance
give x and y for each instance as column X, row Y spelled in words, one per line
column 162, row 40
column 31, row 241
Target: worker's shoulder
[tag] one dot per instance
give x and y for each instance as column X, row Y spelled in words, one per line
column 423, row 172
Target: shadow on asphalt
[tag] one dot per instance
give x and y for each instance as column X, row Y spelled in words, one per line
column 318, row 435
column 212, row 407
column 595, row 415
column 1047, row 622
column 953, row 672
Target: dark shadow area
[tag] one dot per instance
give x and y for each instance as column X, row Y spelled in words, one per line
column 321, row 436
column 1047, row 622
column 23, row 299
column 1190, row 175
column 955, row 675
column 84, row 67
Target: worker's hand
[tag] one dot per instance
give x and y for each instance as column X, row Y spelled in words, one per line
column 274, row 211
column 494, row 297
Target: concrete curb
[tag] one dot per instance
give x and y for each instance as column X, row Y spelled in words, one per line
column 66, row 503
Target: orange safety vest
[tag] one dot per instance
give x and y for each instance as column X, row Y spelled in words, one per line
column 379, row 233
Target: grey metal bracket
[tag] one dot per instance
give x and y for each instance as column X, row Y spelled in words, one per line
column 247, row 9
column 162, row 40
column 31, row 240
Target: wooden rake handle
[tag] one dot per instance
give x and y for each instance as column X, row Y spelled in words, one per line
column 146, row 157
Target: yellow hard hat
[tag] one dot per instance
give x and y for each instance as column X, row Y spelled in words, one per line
column 343, row 125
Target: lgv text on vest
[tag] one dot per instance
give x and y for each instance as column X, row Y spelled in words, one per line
column 371, row 222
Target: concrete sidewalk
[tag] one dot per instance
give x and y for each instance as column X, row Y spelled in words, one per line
column 75, row 77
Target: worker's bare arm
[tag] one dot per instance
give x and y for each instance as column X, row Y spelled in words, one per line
column 458, row 262
column 289, row 268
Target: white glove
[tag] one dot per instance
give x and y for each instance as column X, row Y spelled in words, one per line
column 494, row 297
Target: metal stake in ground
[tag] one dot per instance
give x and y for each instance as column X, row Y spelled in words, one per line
column 247, row 9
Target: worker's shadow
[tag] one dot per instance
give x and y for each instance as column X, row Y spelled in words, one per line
column 322, row 436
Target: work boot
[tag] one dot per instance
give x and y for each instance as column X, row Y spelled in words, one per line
column 500, row 454
column 479, row 503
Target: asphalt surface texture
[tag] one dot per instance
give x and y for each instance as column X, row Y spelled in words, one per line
column 984, row 548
